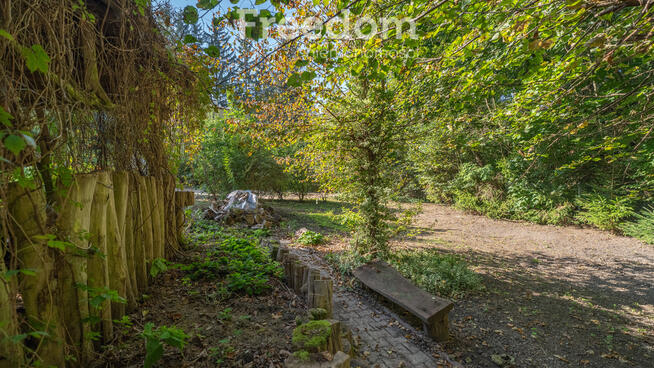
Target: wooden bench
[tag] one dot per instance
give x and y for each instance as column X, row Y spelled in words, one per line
column 431, row 310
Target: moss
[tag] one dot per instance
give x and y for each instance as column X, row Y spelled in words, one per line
column 302, row 355
column 312, row 335
column 317, row 314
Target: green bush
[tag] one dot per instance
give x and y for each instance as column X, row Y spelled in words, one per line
column 602, row 212
column 446, row 275
column 311, row 238
column 642, row 227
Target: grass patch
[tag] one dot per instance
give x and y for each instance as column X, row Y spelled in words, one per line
column 442, row 274
column 311, row 238
column 642, row 227
column 317, row 215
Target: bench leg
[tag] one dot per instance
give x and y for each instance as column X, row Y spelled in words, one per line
column 438, row 329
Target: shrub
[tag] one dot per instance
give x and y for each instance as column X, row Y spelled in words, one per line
column 642, row 227
column 245, row 265
column 311, row 238
column 602, row 212
column 440, row 274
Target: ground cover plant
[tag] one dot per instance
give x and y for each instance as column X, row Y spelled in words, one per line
column 206, row 311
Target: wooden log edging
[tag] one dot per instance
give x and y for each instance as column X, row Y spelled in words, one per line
column 104, row 230
column 305, row 280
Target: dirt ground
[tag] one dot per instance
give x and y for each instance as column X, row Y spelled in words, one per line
column 555, row 296
column 239, row 331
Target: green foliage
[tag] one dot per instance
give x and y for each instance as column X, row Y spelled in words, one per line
column 155, row 340
column 604, row 213
column 302, row 355
column 358, row 151
column 311, row 238
column 230, row 160
column 245, row 265
column 642, row 227
column 158, row 266
column 97, row 296
column 311, row 335
column 347, row 261
column 219, row 353
column 36, row 58
column 225, row 314
column 446, row 275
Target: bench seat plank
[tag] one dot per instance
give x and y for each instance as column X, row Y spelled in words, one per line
column 385, row 280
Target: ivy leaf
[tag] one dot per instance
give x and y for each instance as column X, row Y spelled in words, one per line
column 5, row 118
column 59, row 244
column 15, row 144
column 234, row 1
column 154, row 351
column 36, row 58
column 6, row 35
column 212, row 51
column 259, row 2
column 190, row 14
column 190, row 39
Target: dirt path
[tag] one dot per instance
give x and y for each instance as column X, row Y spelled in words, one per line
column 555, row 296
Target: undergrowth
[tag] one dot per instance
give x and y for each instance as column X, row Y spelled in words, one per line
column 443, row 274
column 236, row 258
column 642, row 227
column 446, row 275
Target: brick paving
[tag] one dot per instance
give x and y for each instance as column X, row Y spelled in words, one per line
column 381, row 336
column 382, row 339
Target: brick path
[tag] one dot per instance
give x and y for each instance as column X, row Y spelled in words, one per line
column 383, row 339
column 382, row 336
